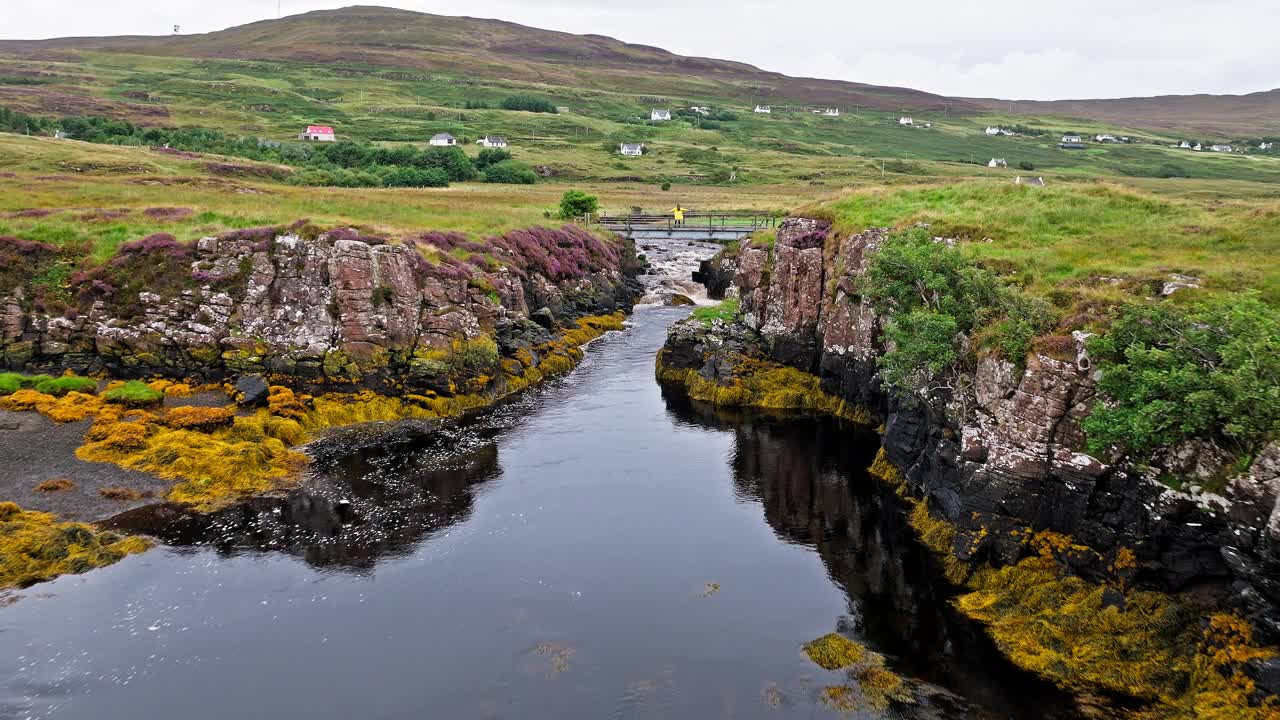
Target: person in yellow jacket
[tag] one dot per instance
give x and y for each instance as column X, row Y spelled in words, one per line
column 678, row 213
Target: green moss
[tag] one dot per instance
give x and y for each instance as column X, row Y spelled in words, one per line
column 726, row 311
column 134, row 393
column 835, row 652
column 66, row 384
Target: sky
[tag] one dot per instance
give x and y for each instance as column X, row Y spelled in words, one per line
column 1030, row 50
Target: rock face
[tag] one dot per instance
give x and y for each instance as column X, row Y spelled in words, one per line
column 1006, row 451
column 335, row 310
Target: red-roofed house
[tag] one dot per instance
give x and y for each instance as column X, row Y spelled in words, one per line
column 318, row 133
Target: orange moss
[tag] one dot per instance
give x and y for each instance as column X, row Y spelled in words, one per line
column 35, row 547
column 202, row 419
column 282, row 402
column 55, row 485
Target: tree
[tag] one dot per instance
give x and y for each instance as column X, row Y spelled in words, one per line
column 1026, row 165
column 528, row 103
column 452, row 160
column 510, row 171
column 575, row 204
column 491, row 156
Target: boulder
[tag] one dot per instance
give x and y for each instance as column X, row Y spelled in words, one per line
column 252, row 391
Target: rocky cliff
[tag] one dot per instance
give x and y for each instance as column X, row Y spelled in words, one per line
column 1002, row 450
column 316, row 308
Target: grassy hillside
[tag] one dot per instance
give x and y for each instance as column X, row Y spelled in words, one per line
column 396, row 77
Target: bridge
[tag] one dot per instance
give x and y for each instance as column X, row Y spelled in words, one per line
column 717, row 226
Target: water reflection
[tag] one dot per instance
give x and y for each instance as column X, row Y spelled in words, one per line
column 809, row 476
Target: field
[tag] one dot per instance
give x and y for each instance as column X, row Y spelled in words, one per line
column 399, row 84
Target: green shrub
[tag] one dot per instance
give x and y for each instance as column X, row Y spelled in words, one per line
column 134, row 393
column 68, row 383
column 937, row 300
column 1171, row 373
column 528, row 103
column 490, row 156
column 666, row 186
column 511, row 172
column 576, row 203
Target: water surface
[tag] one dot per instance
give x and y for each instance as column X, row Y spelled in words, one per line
column 598, row 548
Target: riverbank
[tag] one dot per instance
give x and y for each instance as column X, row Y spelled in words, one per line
column 1079, row 565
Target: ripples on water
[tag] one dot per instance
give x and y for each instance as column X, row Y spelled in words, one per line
column 597, row 548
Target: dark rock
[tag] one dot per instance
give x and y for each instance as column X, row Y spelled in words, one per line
column 1112, row 598
column 252, row 391
column 1265, row 674
column 544, row 317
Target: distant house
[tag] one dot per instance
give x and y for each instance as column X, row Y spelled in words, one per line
column 700, row 109
column 1197, row 147
column 1184, row 145
column 1033, row 181
column 1105, row 138
column 1222, row 148
column 443, row 140
column 62, row 135
column 660, row 115
column 831, row 112
column 631, row 149
column 492, row 141
column 998, row 163
column 996, row 130
column 318, row 133
column 904, row 120
column 1069, row 139
column 1266, row 145
column 764, row 109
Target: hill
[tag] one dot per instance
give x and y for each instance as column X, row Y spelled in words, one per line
column 396, row 78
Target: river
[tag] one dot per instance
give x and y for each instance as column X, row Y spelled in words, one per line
column 597, row 548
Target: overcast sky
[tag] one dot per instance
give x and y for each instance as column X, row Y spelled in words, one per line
column 1018, row 50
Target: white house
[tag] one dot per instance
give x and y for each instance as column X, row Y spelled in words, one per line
column 831, row 112
column 1222, row 148
column 1266, row 145
column 1034, row 181
column 631, row 149
column 998, row 163
column 492, row 141
column 904, row 120
column 1105, row 138
column 318, row 133
column 660, row 115
column 1197, row 147
column 764, row 109
column 443, row 140
column 994, row 130
column 1184, row 145
column 1072, row 139
column 700, row 109
column 62, row 135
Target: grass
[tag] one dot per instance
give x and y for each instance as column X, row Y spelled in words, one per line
column 726, row 311
column 1072, row 235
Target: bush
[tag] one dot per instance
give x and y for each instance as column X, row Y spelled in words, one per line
column 666, row 186
column 528, row 103
column 512, row 172
column 575, row 203
column 134, row 393
column 414, row 177
column 1170, row 373
column 1025, row 165
column 490, row 156
column 936, row 299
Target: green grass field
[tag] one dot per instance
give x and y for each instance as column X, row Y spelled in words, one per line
column 277, row 99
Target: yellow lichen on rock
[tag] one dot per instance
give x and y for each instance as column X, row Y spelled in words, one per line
column 204, row 419
column 764, row 384
column 35, row 547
